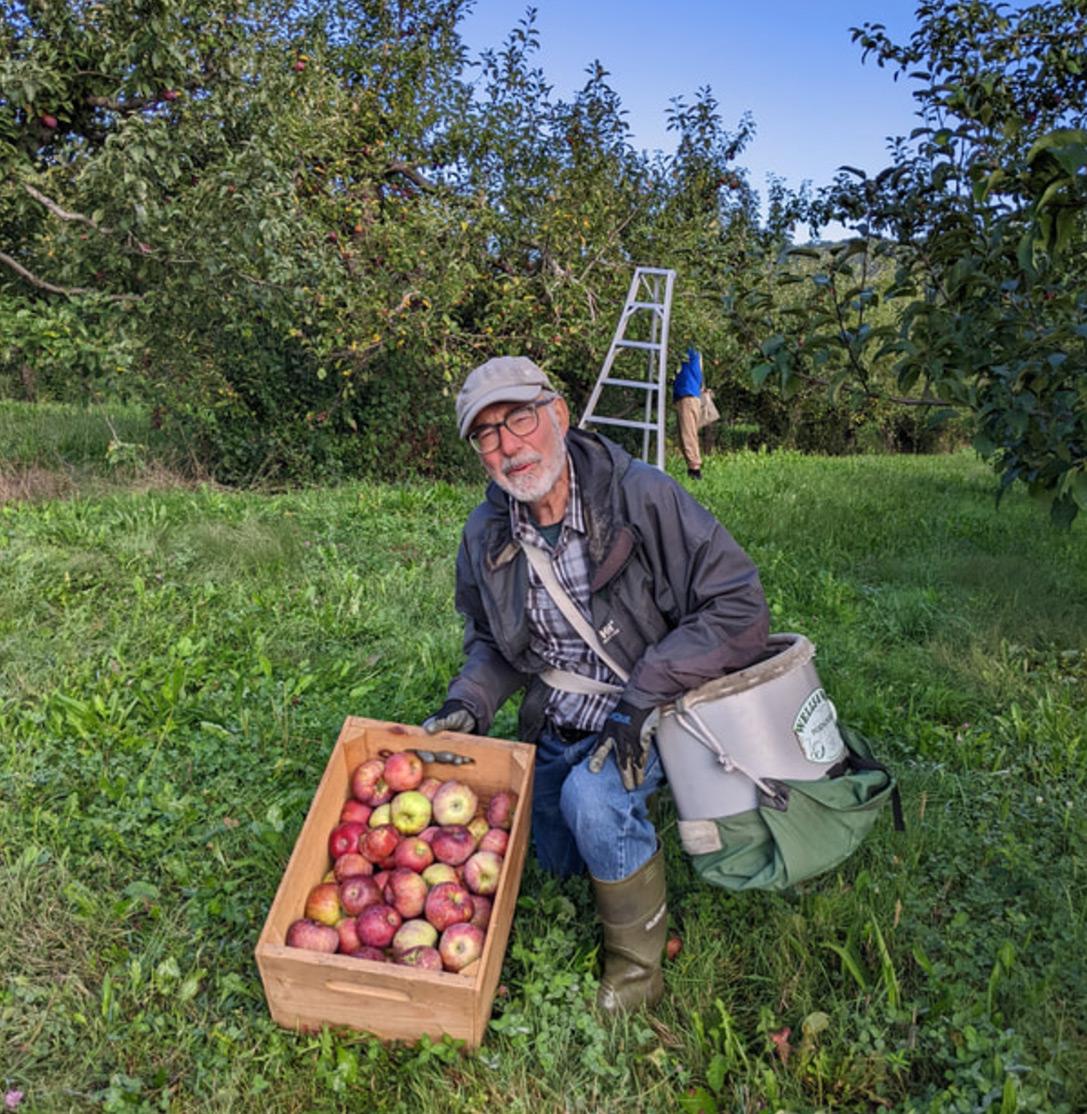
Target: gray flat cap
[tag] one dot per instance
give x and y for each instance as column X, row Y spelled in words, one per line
column 503, row 379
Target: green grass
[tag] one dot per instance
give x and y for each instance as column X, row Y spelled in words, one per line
column 175, row 666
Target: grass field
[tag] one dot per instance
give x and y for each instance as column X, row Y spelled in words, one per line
column 176, row 664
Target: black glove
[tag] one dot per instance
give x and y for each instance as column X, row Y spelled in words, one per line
column 453, row 715
column 623, row 734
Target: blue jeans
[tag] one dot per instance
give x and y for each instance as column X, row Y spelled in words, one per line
column 582, row 820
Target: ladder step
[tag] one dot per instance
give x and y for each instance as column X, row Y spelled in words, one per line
column 648, row 345
column 644, row 305
column 628, row 423
column 609, row 382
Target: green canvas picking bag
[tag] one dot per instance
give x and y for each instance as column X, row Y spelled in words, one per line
column 799, row 829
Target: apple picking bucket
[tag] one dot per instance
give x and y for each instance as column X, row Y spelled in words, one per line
column 307, row 990
column 770, row 720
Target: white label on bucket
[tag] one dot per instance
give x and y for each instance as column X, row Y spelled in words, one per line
column 816, row 726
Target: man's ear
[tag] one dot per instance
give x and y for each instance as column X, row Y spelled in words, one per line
column 562, row 414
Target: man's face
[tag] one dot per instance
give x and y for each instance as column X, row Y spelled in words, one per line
column 529, row 466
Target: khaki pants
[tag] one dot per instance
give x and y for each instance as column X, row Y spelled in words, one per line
column 688, row 409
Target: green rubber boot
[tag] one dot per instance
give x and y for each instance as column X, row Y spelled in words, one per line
column 635, row 919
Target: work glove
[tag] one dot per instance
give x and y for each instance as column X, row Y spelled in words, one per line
column 453, row 715
column 623, row 733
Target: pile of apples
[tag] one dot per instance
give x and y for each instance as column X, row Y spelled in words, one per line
column 415, row 864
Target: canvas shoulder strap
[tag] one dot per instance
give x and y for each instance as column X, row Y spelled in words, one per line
column 542, row 564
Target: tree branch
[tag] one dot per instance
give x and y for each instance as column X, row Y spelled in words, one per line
column 70, row 291
column 59, row 213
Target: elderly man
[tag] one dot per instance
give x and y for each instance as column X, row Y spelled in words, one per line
column 667, row 596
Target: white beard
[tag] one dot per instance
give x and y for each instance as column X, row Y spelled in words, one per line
column 534, row 485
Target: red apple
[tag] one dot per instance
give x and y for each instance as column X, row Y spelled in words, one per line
column 377, row 925
column 496, row 840
column 424, row 957
column 406, row 892
column 354, row 810
column 459, row 945
column 448, row 903
column 414, row 853
column 501, row 808
column 415, row 933
column 381, row 793
column 364, row 777
column 323, row 903
column 357, row 892
column 344, row 838
column 439, row 872
column 409, row 811
column 379, row 843
column 313, row 936
column 381, row 877
column 367, row 951
column 403, row 770
column 453, row 844
column 49, row 121
column 454, row 803
column 349, row 935
column 482, row 906
column 347, row 866
column 429, row 786
column 482, row 871
column 428, row 832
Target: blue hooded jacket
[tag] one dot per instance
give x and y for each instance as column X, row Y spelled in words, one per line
column 689, row 377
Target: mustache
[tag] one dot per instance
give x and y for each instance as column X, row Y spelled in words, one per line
column 520, row 461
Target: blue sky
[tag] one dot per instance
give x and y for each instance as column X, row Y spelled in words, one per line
column 791, row 63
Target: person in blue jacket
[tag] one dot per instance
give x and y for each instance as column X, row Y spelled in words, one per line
column 687, row 397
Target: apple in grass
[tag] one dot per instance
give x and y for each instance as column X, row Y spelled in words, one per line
column 501, row 808
column 460, row 944
column 403, row 771
column 415, row 933
column 454, row 803
column 379, row 843
column 414, row 853
column 323, row 903
column 406, row 892
column 345, row 838
column 347, row 866
column 409, row 812
column 496, row 840
column 377, row 925
column 364, row 777
column 453, row 844
column 447, row 903
column 482, row 871
column 312, row 935
column 357, row 892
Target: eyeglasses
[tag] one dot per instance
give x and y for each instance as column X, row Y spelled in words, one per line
column 520, row 422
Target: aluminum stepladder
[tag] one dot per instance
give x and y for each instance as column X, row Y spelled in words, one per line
column 641, row 337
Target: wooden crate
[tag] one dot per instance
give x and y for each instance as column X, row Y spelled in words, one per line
column 307, row 990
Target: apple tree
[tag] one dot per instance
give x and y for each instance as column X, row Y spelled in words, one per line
column 962, row 288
